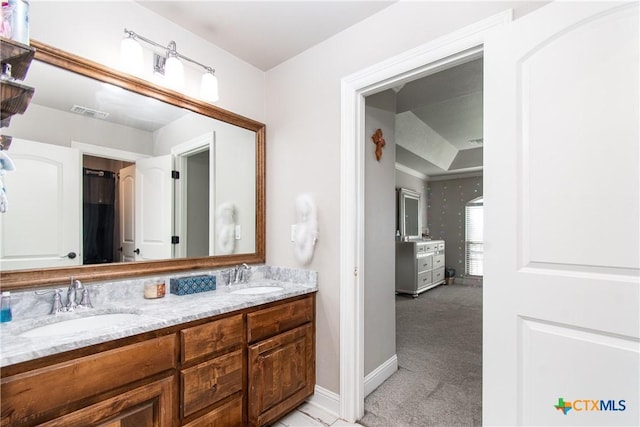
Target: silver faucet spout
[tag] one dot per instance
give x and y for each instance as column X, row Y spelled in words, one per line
column 74, row 287
column 241, row 273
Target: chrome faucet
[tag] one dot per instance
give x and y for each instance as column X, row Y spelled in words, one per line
column 74, row 287
column 240, row 273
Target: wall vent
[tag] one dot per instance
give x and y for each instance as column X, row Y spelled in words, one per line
column 89, row 112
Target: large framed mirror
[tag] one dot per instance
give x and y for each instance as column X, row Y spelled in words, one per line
column 209, row 212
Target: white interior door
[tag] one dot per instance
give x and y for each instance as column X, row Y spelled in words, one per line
column 43, row 223
column 153, row 208
column 561, row 289
column 126, row 192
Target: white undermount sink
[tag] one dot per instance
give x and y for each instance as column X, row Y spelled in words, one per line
column 256, row 290
column 80, row 324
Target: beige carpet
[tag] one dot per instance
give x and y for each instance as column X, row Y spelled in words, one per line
column 439, row 348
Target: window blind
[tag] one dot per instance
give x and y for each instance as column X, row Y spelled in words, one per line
column 474, row 239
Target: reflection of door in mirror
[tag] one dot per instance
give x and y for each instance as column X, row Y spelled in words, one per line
column 126, row 195
column 42, row 225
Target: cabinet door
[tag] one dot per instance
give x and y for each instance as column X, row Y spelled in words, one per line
column 27, row 397
column 281, row 374
column 147, row 406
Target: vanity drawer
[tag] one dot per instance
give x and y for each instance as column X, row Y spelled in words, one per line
column 438, row 261
column 227, row 415
column 271, row 321
column 424, row 279
column 28, row 395
column 438, row 275
column 425, row 262
column 211, row 381
column 211, row 337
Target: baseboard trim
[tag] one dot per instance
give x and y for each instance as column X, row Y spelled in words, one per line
column 330, row 401
column 380, row 374
column 326, row 400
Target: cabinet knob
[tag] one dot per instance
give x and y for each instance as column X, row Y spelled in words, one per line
column 214, row 388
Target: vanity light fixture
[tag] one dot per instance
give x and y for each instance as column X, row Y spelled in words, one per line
column 168, row 65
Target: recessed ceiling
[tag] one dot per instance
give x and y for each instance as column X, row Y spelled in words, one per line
column 265, row 33
column 439, row 121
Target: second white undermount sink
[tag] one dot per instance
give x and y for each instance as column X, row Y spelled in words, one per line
column 81, row 324
column 256, row 290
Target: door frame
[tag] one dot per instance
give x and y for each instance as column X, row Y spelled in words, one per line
column 180, row 153
column 445, row 52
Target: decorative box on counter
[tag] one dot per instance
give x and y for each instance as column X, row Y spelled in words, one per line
column 192, row 284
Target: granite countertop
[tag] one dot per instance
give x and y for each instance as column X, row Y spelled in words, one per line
column 150, row 314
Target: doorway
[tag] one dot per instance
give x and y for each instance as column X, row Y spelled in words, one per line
column 101, row 237
column 456, row 48
column 437, row 114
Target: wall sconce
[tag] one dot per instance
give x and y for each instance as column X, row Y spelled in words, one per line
column 169, row 65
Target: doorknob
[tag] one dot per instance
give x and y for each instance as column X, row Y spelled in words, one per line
column 70, row 255
column 137, row 251
column 120, row 249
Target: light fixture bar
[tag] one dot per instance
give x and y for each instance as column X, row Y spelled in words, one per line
column 171, row 49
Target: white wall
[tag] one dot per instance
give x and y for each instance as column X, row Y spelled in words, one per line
column 380, row 214
column 303, row 149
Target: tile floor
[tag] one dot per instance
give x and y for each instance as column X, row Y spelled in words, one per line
column 308, row 415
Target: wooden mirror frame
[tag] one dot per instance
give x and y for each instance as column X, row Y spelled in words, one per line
column 34, row 278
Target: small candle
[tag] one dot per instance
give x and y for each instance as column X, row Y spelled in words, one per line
column 154, row 290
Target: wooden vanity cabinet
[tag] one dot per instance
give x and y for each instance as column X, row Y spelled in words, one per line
column 249, row 367
column 281, row 359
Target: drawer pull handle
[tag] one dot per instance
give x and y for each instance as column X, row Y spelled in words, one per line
column 214, row 388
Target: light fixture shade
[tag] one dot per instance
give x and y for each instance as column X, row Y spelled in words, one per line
column 209, row 87
column 174, row 73
column 131, row 56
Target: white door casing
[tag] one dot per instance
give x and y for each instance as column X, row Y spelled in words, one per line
column 43, row 222
column 204, row 142
column 450, row 50
column 126, row 212
column 562, row 185
column 154, row 208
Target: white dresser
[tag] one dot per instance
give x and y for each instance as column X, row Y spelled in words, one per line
column 419, row 266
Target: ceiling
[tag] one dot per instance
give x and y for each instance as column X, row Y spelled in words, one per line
column 265, row 33
column 439, row 121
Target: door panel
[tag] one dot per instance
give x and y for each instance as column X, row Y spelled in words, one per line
column 562, row 185
column 154, row 208
column 126, row 191
column 40, row 230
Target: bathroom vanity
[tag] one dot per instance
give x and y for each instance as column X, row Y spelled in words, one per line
column 228, row 357
column 419, row 266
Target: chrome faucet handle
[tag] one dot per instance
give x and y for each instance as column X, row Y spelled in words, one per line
column 85, row 301
column 56, row 306
column 245, row 273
